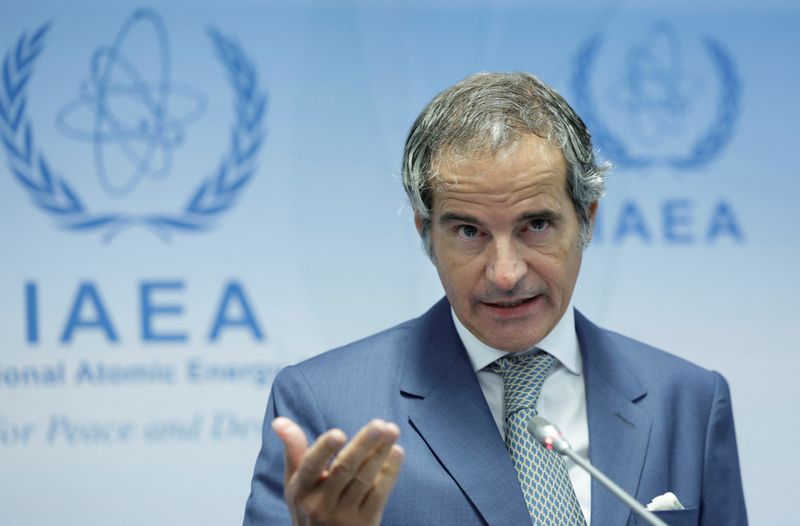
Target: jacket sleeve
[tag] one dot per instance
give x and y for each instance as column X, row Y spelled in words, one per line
column 723, row 497
column 291, row 396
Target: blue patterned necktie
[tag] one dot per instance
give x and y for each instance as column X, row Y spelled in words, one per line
column 542, row 474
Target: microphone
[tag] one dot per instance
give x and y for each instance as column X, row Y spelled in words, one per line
column 550, row 437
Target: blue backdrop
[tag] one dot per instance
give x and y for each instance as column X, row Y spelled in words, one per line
column 193, row 195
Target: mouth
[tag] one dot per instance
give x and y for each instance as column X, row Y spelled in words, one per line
column 509, row 304
column 512, row 308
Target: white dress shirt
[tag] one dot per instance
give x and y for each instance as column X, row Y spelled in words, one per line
column 562, row 399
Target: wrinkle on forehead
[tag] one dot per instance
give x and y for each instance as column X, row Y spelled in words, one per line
column 545, row 193
column 479, row 148
column 454, row 172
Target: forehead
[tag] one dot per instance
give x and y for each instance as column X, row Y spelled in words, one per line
column 530, row 168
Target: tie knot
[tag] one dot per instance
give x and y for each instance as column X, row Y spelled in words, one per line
column 523, row 377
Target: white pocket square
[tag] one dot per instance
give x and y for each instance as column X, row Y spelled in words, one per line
column 667, row 501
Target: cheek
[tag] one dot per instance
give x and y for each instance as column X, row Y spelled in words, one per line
column 568, row 273
column 459, row 278
column 559, row 268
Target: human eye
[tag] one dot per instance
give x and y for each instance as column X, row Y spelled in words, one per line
column 538, row 225
column 467, row 231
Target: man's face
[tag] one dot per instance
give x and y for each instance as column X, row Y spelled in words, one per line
column 505, row 237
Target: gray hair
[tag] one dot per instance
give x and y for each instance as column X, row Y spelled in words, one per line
column 489, row 112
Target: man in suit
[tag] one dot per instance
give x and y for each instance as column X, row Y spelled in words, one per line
column 504, row 185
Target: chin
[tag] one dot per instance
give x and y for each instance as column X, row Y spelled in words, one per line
column 513, row 343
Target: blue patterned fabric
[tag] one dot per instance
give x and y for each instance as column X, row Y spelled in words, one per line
column 542, row 474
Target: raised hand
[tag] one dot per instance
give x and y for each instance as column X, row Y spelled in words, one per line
column 335, row 482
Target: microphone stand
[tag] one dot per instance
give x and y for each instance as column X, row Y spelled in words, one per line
column 550, row 436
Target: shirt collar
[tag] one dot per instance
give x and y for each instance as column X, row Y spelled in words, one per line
column 561, row 342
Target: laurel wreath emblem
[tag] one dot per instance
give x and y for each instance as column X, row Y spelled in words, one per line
column 705, row 148
column 53, row 194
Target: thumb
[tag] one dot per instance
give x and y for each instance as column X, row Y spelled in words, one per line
column 294, row 441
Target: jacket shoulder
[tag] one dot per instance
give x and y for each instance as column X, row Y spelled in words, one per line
column 383, row 346
column 654, row 368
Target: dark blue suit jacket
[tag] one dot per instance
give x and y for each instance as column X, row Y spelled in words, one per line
column 656, row 423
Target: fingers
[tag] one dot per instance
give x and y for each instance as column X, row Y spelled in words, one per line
column 353, row 471
column 305, row 466
column 294, row 441
column 314, row 465
column 354, row 486
column 367, row 468
column 376, row 499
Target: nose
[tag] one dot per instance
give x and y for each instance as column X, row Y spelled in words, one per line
column 506, row 267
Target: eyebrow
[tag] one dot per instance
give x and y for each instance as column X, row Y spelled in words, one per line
column 539, row 215
column 549, row 215
column 453, row 217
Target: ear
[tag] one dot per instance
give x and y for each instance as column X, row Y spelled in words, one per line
column 593, row 212
column 418, row 223
column 593, row 216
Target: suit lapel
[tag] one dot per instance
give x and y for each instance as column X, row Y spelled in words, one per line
column 619, row 430
column 449, row 411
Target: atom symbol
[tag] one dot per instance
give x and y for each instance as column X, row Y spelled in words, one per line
column 134, row 120
column 656, row 93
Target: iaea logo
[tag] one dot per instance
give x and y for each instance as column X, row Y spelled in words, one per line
column 133, row 122
column 659, row 100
